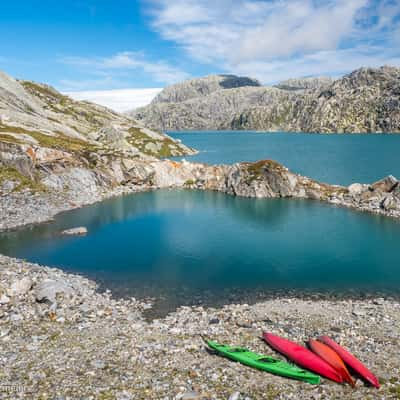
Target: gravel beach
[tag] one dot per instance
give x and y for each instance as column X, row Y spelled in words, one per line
column 60, row 338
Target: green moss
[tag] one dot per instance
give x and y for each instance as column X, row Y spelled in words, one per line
column 43, row 91
column 60, row 142
column 9, row 139
column 59, row 103
column 63, row 142
column 257, row 169
column 190, row 182
column 139, row 139
column 11, row 174
column 395, row 390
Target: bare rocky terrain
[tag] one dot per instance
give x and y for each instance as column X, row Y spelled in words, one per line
column 366, row 100
column 60, row 338
column 48, row 140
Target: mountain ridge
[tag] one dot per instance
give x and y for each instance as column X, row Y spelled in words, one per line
column 366, row 100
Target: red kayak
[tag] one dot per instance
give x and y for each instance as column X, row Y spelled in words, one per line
column 332, row 358
column 351, row 361
column 302, row 356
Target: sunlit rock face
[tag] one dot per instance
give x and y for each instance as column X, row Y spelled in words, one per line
column 47, row 138
column 367, row 100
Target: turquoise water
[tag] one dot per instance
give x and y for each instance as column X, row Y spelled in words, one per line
column 338, row 159
column 187, row 247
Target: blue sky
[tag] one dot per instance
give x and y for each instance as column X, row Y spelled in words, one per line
column 86, row 45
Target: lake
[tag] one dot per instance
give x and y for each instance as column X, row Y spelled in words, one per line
column 332, row 158
column 191, row 247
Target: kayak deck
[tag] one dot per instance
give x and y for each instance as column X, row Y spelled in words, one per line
column 264, row 363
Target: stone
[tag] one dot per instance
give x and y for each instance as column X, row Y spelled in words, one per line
column 356, row 189
column 191, row 396
column 15, row 317
column 20, row 287
column 4, row 299
column 386, row 184
column 8, row 186
column 124, row 395
column 213, row 321
column 234, row 396
column 390, row 202
column 358, row 312
column 79, row 231
column 98, row 364
column 48, row 290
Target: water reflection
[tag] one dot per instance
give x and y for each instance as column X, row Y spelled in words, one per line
column 188, row 246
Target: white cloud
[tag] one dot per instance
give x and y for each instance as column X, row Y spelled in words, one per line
column 118, row 100
column 159, row 71
column 330, row 63
column 271, row 39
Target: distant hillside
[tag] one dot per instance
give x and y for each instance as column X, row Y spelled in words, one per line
column 367, row 100
column 44, row 134
column 199, row 87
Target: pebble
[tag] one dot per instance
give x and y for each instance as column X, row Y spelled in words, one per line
column 98, row 364
column 190, row 396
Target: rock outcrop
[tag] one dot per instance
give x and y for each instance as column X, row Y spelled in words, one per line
column 269, row 179
column 50, row 140
column 317, row 83
column 367, row 100
column 198, row 87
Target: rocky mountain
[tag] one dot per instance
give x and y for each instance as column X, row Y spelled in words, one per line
column 194, row 88
column 45, row 135
column 366, row 100
column 317, row 83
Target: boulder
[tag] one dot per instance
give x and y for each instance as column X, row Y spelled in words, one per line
column 356, row 189
column 79, row 231
column 20, row 287
column 386, row 184
column 49, row 289
column 390, row 202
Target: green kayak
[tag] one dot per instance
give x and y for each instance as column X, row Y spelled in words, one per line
column 264, row 363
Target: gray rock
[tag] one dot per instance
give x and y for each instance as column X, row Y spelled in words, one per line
column 358, row 312
column 386, row 184
column 308, row 105
column 356, row 189
column 20, row 287
column 124, row 395
column 4, row 299
column 98, row 364
column 79, row 231
column 8, row 186
column 235, row 396
column 48, row 290
column 191, row 396
column 15, row 317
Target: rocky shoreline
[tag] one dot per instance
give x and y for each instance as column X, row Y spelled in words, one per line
column 61, row 338
column 262, row 179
